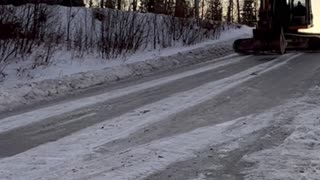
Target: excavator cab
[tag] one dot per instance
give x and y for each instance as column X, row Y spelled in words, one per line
column 278, row 28
column 301, row 16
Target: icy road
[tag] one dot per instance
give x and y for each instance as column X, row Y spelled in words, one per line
column 239, row 117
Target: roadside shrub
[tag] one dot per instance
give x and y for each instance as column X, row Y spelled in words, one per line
column 105, row 32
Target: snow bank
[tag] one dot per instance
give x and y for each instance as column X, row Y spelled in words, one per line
column 298, row 157
column 106, row 33
column 75, row 48
column 67, row 75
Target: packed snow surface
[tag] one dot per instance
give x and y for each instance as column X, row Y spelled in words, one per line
column 82, row 155
column 213, row 89
column 298, row 157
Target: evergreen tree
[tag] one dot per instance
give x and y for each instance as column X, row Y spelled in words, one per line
column 169, row 6
column 214, row 11
column 183, row 9
column 157, row 6
column 110, row 4
column 72, row 2
column 160, row 7
column 248, row 13
column 178, row 12
column 147, row 6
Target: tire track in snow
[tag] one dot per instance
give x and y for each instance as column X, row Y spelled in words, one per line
column 51, row 159
column 9, row 123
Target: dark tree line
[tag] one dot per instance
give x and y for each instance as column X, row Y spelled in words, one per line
column 241, row 11
column 249, row 12
column 60, row 2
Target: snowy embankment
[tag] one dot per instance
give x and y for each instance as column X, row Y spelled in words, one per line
column 298, row 157
column 53, row 71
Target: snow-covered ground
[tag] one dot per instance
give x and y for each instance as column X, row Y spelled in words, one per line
column 104, row 149
column 77, row 156
column 24, row 85
column 212, row 89
column 298, row 157
column 64, row 63
column 121, row 146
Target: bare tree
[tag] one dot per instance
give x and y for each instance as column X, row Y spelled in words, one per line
column 147, row 6
column 238, row 11
column 179, row 11
column 202, row 9
column 119, row 4
column 134, row 5
column 196, row 6
column 90, row 3
column 101, row 3
column 230, row 11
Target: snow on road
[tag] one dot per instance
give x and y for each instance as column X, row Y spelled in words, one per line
column 77, row 153
column 200, row 177
column 12, row 122
column 299, row 155
column 76, row 157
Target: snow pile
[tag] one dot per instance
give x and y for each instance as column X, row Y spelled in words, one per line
column 67, row 75
column 298, row 157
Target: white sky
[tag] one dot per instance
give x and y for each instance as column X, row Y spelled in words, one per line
column 316, row 16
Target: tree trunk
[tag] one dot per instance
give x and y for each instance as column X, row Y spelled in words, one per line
column 238, row 11
column 119, row 4
column 134, row 5
column 202, row 9
column 230, row 11
column 178, row 12
column 109, row 4
column 196, row 6
column 101, row 3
